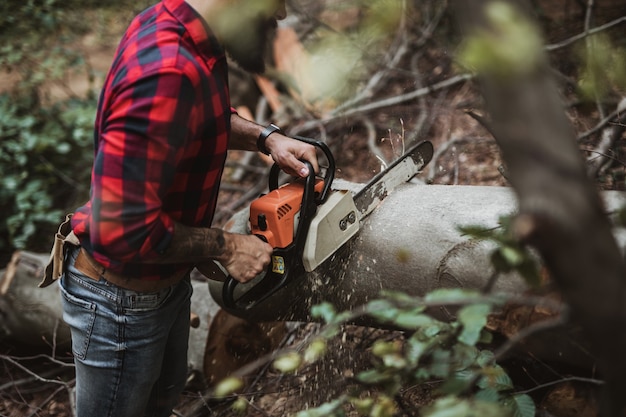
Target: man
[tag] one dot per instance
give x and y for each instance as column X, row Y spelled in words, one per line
column 163, row 126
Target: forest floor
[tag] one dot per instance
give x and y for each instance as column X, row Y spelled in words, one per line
column 466, row 154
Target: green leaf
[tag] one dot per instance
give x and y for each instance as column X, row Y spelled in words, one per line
column 433, row 329
column 383, row 407
column 512, row 255
column 394, row 361
column 362, row 405
column 440, row 366
column 411, row 320
column 473, row 318
column 373, row 376
column 240, row 406
column 523, row 405
column 288, row 363
column 452, row 406
column 415, row 349
column 315, row 350
column 382, row 310
column 488, row 394
column 63, row 148
column 495, row 377
column 382, row 348
column 329, row 409
column 477, row 232
column 325, row 311
column 486, row 337
column 458, row 383
column 511, row 46
column 464, row 356
column 227, row 387
column 485, row 358
column 451, row 295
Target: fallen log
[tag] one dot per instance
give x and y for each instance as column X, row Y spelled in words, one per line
column 411, row 243
column 28, row 314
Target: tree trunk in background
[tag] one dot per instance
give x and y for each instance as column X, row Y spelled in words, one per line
column 560, row 211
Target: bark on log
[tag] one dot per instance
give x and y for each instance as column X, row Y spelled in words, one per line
column 410, row 243
column 29, row 314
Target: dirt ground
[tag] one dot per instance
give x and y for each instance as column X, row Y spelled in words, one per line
column 466, row 154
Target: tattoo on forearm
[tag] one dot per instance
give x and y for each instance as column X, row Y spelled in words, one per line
column 194, row 244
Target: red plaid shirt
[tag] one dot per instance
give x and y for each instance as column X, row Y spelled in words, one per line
column 161, row 136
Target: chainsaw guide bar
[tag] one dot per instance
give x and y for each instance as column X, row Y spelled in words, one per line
column 399, row 172
column 339, row 219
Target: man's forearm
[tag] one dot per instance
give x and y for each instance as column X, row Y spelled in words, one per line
column 194, row 245
column 244, row 133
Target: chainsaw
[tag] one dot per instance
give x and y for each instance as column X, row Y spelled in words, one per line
column 306, row 221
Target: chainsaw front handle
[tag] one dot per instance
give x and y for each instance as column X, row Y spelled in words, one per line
column 286, row 262
column 328, row 177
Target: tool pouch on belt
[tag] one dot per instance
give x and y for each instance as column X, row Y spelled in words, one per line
column 63, row 237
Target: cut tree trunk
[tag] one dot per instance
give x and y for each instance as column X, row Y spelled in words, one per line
column 410, row 243
column 29, row 314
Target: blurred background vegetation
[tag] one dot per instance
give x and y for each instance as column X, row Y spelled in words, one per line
column 45, row 126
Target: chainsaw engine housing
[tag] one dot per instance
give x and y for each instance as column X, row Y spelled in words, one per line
column 274, row 216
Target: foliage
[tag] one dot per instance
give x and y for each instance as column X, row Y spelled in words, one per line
column 604, row 67
column 35, row 39
column 512, row 44
column 45, row 159
column 45, row 138
column 337, row 59
column 472, row 383
column 41, row 39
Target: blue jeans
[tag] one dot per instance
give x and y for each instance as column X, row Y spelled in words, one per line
column 130, row 348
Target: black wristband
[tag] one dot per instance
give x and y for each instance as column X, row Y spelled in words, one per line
column 260, row 142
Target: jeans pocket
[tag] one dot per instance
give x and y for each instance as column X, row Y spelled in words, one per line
column 139, row 303
column 80, row 316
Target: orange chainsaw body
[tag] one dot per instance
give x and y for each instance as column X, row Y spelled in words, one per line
column 274, row 216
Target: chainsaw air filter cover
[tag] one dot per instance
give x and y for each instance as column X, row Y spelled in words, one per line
column 274, row 216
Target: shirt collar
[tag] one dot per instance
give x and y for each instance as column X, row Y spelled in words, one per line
column 196, row 26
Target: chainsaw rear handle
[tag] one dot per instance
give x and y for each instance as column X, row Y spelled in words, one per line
column 330, row 171
column 285, row 263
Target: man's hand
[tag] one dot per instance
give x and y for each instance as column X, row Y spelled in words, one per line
column 289, row 153
column 245, row 257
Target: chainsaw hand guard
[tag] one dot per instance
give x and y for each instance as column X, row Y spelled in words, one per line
column 286, row 261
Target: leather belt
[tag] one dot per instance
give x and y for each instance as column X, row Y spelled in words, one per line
column 89, row 267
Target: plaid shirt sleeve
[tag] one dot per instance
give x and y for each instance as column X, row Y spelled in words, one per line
column 141, row 144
